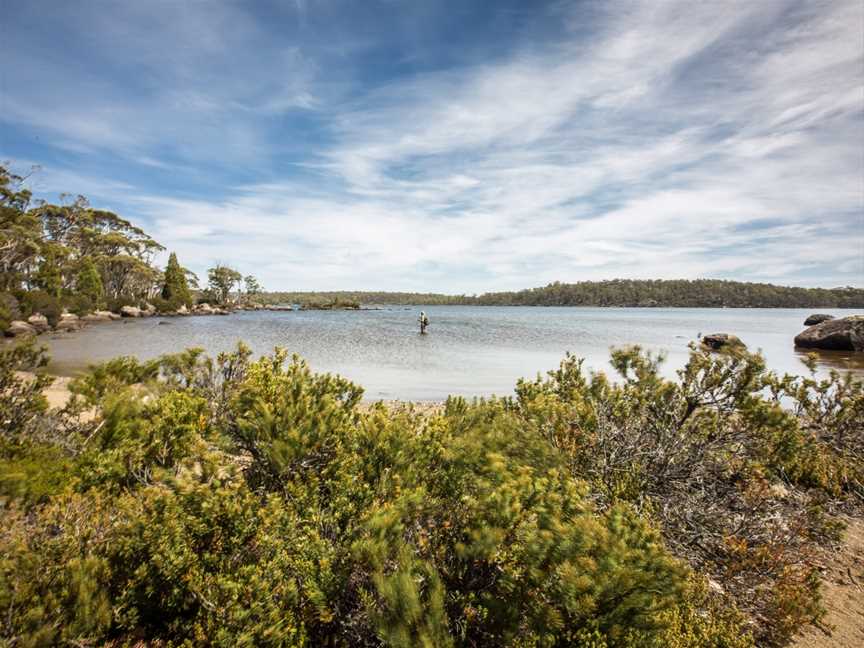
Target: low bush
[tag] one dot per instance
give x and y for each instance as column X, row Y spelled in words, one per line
column 9, row 310
column 79, row 304
column 116, row 303
column 39, row 301
column 236, row 502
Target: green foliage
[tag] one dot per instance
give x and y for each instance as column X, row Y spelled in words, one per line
column 222, row 280
column 229, row 502
column 175, row 289
column 9, row 310
column 39, row 301
column 253, row 288
column 712, row 458
column 708, row 293
column 89, row 283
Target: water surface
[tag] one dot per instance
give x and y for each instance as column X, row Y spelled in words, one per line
column 469, row 350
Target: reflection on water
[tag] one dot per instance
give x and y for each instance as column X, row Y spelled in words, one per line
column 469, row 350
column 840, row 360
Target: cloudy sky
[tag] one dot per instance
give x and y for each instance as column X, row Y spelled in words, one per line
column 455, row 146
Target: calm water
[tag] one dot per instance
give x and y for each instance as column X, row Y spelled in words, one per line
column 469, row 350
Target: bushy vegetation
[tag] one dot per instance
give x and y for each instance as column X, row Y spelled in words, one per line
column 708, row 293
column 233, row 501
column 700, row 293
column 74, row 257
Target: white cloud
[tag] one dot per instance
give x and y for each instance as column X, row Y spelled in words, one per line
column 676, row 139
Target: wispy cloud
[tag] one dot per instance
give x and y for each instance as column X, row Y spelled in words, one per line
column 652, row 139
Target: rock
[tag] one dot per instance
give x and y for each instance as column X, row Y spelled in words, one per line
column 98, row 316
column 722, row 342
column 39, row 322
column 183, row 310
column 204, row 309
column 19, row 328
column 163, row 323
column 108, row 314
column 844, row 334
column 817, row 318
column 68, row 322
column 130, row 311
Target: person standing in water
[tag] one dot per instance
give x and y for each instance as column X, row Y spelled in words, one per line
column 424, row 322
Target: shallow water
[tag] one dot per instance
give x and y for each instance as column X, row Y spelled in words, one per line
column 469, row 350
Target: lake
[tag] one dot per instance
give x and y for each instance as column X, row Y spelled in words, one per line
column 469, row 350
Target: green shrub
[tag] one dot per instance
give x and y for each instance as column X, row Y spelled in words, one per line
column 39, row 301
column 229, row 502
column 9, row 310
column 116, row 303
column 79, row 304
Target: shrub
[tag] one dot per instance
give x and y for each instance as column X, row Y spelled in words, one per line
column 9, row 310
column 114, row 304
column 235, row 502
column 79, row 304
column 39, row 301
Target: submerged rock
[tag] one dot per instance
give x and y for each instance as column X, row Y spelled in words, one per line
column 817, row 318
column 844, row 334
column 19, row 328
column 722, row 342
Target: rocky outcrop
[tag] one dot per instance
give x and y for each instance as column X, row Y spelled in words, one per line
column 844, row 334
column 19, row 328
column 39, row 322
column 207, row 309
column 99, row 316
column 203, row 309
column 108, row 314
column 130, row 311
column 722, row 342
column 817, row 318
column 68, row 322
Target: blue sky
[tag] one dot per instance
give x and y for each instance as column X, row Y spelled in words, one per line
column 454, row 146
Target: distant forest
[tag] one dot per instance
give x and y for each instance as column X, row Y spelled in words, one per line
column 704, row 293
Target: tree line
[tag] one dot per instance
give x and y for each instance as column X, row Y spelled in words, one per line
column 75, row 257
column 682, row 293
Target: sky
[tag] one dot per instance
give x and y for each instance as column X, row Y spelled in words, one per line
column 458, row 147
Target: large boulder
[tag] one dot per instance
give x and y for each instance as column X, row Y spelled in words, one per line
column 817, row 318
column 130, row 311
column 844, row 334
column 722, row 342
column 203, row 309
column 183, row 310
column 68, row 322
column 19, row 328
column 108, row 314
column 39, row 322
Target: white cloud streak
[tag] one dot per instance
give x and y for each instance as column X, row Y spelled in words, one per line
column 679, row 139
